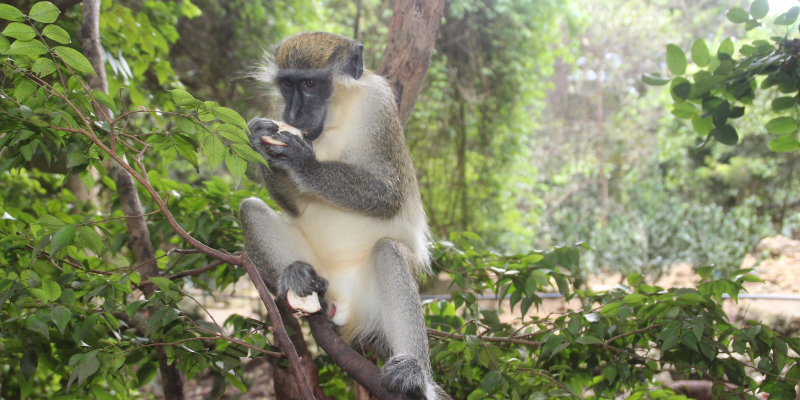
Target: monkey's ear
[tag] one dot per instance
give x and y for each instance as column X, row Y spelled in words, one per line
column 355, row 61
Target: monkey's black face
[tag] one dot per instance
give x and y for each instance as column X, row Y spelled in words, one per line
column 306, row 94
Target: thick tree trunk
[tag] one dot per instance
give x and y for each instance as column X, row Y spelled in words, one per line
column 138, row 233
column 412, row 34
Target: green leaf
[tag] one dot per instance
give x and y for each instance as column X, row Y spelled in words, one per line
column 11, row 13
column 229, row 116
column 737, row 15
column 759, row 9
column 233, row 134
column 783, row 103
column 702, row 126
column 163, row 283
column 789, row 17
column 720, row 114
column 60, row 316
column 782, row 145
column 697, row 328
column 490, row 381
column 236, row 166
column 215, row 150
column 83, row 366
column 24, row 89
column 104, row 99
column 74, row 59
column 685, row 110
column 61, row 238
column 655, row 79
column 726, row 47
column 781, row 125
column 633, row 299
column 247, row 152
column 56, row 33
column 91, row 237
column 29, row 48
column 588, row 340
column 682, row 90
column 19, row 31
column 44, row 11
column 183, row 98
column 726, row 135
column 50, row 222
column 4, row 44
column 38, row 324
column 634, row 279
column 133, row 307
column 76, row 158
column 26, row 151
column 50, row 291
column 700, row 54
column 185, row 149
column 676, row 59
column 43, row 66
column 29, row 363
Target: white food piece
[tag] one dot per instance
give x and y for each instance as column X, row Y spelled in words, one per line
column 271, row 141
column 303, row 306
column 342, row 312
column 282, row 127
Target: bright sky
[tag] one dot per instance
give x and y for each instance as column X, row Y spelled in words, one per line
column 780, row 6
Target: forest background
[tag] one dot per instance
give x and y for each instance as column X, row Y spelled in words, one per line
column 534, row 130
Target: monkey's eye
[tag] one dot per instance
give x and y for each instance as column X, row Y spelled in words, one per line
column 310, row 83
column 287, row 83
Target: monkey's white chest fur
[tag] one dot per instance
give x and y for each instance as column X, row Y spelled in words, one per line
column 343, row 241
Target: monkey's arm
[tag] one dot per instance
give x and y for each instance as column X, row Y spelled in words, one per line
column 375, row 191
column 352, row 187
column 281, row 189
column 280, row 185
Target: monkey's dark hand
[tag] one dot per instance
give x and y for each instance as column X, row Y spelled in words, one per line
column 296, row 155
column 261, row 127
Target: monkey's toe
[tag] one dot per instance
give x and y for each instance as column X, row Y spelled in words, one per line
column 404, row 374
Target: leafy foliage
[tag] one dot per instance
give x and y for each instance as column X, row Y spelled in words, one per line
column 78, row 319
column 725, row 84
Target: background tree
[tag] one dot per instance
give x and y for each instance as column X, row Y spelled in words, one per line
column 74, row 318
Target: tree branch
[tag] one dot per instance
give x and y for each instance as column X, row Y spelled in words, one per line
column 278, row 329
column 362, row 370
column 412, row 34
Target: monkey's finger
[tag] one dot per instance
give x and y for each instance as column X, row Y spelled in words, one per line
column 262, row 126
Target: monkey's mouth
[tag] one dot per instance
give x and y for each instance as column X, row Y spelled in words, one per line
column 314, row 133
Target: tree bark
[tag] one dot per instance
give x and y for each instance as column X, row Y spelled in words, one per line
column 412, row 35
column 138, row 233
column 601, row 152
column 285, row 385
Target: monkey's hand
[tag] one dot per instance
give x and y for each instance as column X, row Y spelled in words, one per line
column 260, row 127
column 295, row 153
column 302, row 288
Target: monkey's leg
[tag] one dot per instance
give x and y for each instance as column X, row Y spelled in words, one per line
column 279, row 249
column 402, row 322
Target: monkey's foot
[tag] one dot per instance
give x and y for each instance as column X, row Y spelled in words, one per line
column 303, row 306
column 403, row 373
column 301, row 287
